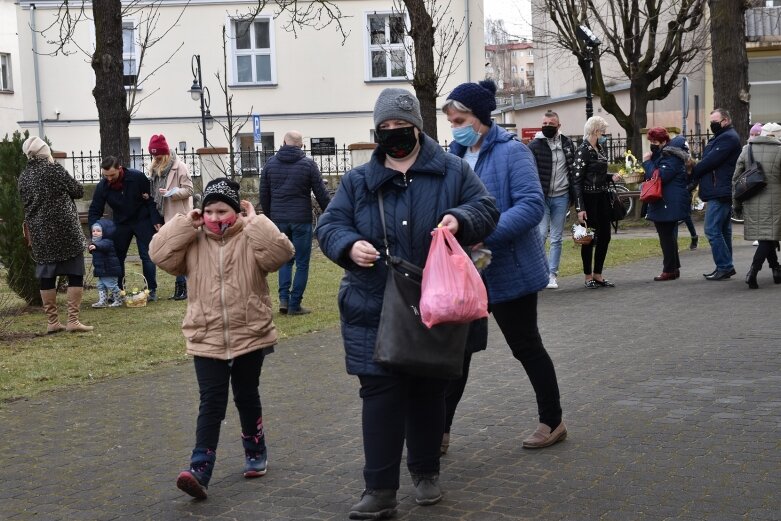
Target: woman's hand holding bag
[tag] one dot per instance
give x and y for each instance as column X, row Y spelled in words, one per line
column 452, row 291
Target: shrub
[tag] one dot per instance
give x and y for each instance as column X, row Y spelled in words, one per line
column 20, row 274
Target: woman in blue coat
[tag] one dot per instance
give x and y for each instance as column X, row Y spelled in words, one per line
column 518, row 269
column 422, row 187
column 669, row 156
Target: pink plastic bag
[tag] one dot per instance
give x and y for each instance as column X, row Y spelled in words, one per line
column 452, row 290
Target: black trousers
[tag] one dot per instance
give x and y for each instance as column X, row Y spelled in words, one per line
column 214, row 377
column 143, row 231
column 765, row 250
column 395, row 409
column 668, row 240
column 518, row 321
column 598, row 215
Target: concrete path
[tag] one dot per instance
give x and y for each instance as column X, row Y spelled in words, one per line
column 671, row 393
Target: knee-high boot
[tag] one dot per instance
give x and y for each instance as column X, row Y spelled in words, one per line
column 49, row 298
column 74, row 303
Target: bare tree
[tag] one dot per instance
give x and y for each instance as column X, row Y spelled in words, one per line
column 730, row 70
column 436, row 38
column 114, row 111
column 652, row 42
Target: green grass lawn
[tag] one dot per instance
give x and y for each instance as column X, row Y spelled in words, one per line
column 132, row 340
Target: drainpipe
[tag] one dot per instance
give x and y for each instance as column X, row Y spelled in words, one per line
column 35, row 68
column 468, row 44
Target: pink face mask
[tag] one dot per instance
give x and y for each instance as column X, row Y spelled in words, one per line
column 219, row 227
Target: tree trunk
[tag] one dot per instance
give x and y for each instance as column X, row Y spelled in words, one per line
column 425, row 79
column 638, row 116
column 109, row 91
column 730, row 70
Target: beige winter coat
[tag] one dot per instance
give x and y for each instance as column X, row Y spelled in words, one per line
column 762, row 213
column 228, row 305
column 181, row 202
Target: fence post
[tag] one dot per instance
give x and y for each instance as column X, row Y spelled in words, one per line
column 360, row 153
column 213, row 163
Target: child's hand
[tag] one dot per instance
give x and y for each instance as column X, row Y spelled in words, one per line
column 91, row 247
column 247, row 211
column 196, row 219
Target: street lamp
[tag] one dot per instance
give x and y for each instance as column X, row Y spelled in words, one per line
column 199, row 91
column 592, row 42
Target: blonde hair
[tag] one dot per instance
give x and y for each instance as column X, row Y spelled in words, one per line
column 159, row 163
column 593, row 125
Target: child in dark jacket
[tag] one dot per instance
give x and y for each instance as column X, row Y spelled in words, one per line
column 105, row 264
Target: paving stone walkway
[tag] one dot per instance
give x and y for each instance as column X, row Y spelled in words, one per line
column 671, row 393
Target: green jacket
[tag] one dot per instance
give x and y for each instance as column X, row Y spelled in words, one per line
column 762, row 213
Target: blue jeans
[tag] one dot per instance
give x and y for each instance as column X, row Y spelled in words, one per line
column 718, row 230
column 554, row 217
column 108, row 284
column 300, row 234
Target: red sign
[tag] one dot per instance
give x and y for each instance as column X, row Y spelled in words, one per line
column 529, row 133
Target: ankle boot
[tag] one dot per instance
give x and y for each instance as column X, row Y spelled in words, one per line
column 693, row 243
column 74, row 302
column 102, row 300
column 751, row 278
column 49, row 299
column 195, row 480
column 255, row 453
column 427, row 490
column 776, row 273
column 181, row 293
column 176, row 291
column 375, row 504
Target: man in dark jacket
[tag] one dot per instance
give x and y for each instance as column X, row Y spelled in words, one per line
column 555, row 156
column 126, row 191
column 286, row 184
column 714, row 175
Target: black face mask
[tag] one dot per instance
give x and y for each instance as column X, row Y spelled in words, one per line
column 397, row 143
column 655, row 149
column 715, row 127
column 549, row 131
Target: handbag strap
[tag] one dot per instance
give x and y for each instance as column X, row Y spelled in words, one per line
column 390, row 259
column 751, row 155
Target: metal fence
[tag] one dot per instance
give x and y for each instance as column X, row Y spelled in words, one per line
column 249, row 163
column 85, row 167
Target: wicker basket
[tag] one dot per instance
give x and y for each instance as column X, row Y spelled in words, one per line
column 135, row 298
column 582, row 239
column 633, row 178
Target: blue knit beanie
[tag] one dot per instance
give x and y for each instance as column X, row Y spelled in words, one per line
column 480, row 98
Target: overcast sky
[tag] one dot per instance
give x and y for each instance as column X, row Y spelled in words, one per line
column 515, row 13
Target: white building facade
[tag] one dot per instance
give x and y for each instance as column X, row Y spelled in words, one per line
column 310, row 81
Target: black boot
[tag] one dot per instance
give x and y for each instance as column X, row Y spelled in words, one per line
column 375, row 504
column 181, row 293
column 751, row 278
column 693, row 243
column 176, row 291
column 776, row 274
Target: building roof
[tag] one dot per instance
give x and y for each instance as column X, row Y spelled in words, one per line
column 509, row 46
column 541, row 101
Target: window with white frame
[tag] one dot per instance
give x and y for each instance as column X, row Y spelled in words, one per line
column 386, row 54
column 253, row 52
column 129, row 56
column 5, row 72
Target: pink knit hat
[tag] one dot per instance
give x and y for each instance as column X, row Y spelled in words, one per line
column 756, row 129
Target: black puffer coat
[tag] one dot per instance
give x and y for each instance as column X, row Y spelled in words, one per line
column 286, row 184
column 47, row 192
column 104, row 257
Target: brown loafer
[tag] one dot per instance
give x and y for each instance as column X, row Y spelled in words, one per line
column 666, row 275
column 543, row 437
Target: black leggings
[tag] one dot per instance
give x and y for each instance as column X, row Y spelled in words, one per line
column 668, row 234
column 74, row 281
column 598, row 215
column 765, row 250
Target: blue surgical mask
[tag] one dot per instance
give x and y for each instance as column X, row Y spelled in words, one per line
column 602, row 140
column 466, row 135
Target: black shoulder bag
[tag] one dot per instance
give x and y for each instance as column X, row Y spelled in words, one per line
column 404, row 343
column 751, row 181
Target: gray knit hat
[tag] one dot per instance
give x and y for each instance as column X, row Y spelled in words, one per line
column 400, row 104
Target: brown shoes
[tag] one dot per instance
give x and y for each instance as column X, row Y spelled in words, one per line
column 543, row 437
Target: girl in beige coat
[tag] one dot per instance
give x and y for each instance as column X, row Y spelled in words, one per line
column 228, row 326
column 172, row 189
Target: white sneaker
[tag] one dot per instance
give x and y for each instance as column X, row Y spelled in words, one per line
column 552, row 283
column 755, row 243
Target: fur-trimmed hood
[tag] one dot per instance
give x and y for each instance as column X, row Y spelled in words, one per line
column 677, row 147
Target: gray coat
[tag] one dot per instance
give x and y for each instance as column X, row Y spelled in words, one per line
column 762, row 213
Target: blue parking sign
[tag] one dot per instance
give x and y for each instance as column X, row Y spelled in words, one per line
column 256, row 127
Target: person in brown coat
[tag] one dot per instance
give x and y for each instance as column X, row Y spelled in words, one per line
column 226, row 250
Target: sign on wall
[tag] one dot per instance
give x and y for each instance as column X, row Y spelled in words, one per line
column 256, row 128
